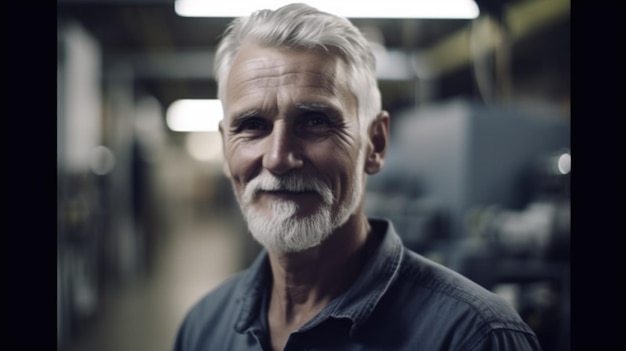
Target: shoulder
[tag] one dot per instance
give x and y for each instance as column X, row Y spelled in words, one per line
column 436, row 282
column 443, row 305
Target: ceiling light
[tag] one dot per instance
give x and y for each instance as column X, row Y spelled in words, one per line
column 460, row 9
column 565, row 163
column 194, row 115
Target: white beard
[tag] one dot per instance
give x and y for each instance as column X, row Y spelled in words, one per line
column 282, row 230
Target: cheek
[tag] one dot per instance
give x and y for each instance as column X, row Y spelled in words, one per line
column 329, row 156
column 243, row 161
column 241, row 167
column 338, row 164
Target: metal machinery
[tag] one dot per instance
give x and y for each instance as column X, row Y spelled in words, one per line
column 485, row 191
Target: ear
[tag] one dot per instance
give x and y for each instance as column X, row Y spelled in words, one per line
column 225, row 167
column 378, row 134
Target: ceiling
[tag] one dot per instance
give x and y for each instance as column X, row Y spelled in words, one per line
column 171, row 56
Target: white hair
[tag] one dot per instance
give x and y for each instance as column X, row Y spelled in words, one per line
column 302, row 26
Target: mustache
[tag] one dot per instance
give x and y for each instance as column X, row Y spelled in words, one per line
column 291, row 182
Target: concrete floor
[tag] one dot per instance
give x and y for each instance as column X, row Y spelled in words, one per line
column 145, row 315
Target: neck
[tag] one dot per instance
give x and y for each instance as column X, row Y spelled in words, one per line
column 305, row 282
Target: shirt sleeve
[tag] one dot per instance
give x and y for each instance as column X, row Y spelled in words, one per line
column 507, row 339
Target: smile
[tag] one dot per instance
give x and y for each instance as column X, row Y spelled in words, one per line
column 289, row 192
column 288, row 195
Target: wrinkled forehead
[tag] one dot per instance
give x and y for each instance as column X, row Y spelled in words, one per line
column 257, row 66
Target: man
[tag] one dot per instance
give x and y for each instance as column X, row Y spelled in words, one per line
column 302, row 129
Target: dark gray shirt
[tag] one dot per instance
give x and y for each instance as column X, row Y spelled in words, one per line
column 401, row 301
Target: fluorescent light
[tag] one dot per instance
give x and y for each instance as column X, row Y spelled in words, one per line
column 460, row 9
column 565, row 163
column 194, row 115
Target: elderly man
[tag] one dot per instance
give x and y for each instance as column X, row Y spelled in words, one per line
column 303, row 128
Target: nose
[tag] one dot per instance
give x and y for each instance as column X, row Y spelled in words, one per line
column 282, row 153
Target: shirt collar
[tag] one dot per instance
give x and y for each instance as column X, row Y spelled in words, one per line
column 251, row 292
column 356, row 304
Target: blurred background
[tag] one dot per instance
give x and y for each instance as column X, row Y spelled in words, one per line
column 477, row 176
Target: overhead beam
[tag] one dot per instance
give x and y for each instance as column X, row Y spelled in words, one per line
column 198, row 64
column 167, row 65
column 522, row 19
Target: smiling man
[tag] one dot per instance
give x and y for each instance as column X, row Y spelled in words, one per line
column 293, row 147
column 303, row 128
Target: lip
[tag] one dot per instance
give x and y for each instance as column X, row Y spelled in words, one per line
column 288, row 195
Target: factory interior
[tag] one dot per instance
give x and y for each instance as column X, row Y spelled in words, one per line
column 477, row 175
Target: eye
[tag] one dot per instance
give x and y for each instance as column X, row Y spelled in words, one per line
column 316, row 120
column 253, row 124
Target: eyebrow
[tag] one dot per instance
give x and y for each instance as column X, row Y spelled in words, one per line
column 313, row 106
column 326, row 108
column 318, row 107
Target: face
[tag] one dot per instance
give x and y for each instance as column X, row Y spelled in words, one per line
column 292, row 145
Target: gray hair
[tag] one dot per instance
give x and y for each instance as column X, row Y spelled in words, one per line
column 302, row 26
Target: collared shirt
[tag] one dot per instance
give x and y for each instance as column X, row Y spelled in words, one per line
column 400, row 301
